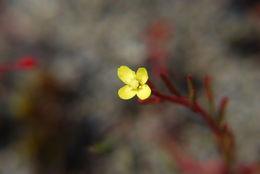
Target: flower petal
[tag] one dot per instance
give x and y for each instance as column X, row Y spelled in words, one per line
column 142, row 75
column 144, row 92
column 126, row 92
column 125, row 74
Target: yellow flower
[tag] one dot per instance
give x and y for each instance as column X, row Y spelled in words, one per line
column 135, row 83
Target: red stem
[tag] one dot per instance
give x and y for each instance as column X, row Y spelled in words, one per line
column 150, row 100
column 196, row 108
column 169, row 85
column 207, row 86
column 192, row 104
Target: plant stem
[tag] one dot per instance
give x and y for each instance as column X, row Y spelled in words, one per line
column 184, row 101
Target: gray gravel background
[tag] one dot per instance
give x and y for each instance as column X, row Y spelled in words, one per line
column 80, row 44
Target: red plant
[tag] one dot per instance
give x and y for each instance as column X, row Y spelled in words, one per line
column 24, row 63
column 224, row 136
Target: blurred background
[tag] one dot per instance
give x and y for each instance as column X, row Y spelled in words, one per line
column 63, row 115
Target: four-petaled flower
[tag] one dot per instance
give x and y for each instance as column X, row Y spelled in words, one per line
column 135, row 83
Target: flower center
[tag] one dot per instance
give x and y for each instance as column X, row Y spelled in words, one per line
column 134, row 84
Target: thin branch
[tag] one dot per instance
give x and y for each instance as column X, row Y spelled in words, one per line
column 222, row 111
column 169, row 85
column 196, row 108
column 209, row 94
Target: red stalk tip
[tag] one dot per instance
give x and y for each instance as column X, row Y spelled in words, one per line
column 222, row 111
column 209, row 95
column 189, row 76
column 192, row 97
column 26, row 62
column 223, row 103
column 190, row 83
